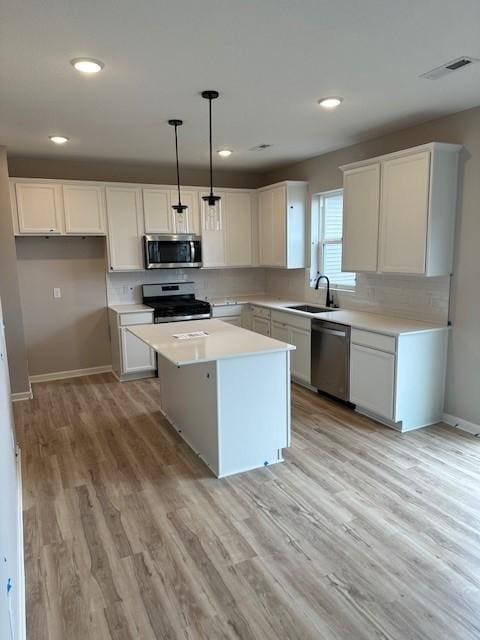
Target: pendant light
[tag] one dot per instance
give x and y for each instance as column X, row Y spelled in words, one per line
column 179, row 208
column 211, row 199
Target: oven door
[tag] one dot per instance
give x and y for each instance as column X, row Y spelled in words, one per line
column 169, row 251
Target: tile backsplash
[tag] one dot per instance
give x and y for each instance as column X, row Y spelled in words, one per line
column 405, row 296
column 126, row 287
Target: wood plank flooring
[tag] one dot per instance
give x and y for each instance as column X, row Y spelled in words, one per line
column 362, row 533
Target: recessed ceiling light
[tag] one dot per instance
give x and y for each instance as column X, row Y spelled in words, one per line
column 330, row 103
column 58, row 139
column 87, row 65
column 224, row 153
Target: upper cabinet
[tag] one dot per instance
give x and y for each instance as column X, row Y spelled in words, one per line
column 84, row 209
column 228, row 230
column 281, row 225
column 39, row 208
column 125, row 228
column 54, row 208
column 399, row 212
column 160, row 217
column 361, row 206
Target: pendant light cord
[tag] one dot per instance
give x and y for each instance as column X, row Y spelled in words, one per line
column 211, row 142
column 178, row 167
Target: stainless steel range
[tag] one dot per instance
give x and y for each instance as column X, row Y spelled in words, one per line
column 174, row 302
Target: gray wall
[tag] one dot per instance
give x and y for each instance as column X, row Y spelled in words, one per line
column 69, row 169
column 9, row 289
column 70, row 332
column 463, row 376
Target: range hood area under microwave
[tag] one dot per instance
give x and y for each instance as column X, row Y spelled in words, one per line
column 173, row 251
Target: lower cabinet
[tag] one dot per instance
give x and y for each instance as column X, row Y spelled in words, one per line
column 131, row 358
column 261, row 325
column 372, row 380
column 400, row 381
column 136, row 355
column 301, row 338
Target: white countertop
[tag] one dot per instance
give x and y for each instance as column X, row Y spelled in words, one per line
column 389, row 325
column 130, row 308
column 223, row 341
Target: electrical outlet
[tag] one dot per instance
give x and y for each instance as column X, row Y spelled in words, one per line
column 57, row 292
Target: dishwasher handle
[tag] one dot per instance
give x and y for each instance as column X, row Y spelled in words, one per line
column 331, row 332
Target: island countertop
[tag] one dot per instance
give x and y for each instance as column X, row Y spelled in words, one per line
column 221, row 342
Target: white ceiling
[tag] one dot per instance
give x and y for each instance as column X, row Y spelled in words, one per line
column 270, row 59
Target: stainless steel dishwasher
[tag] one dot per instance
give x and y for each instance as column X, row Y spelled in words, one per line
column 331, row 358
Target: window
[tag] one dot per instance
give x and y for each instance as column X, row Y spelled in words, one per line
column 330, row 207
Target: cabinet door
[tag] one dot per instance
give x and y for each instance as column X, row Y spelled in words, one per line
column 238, row 229
column 136, row 355
column 260, row 325
column 404, row 213
column 279, row 226
column 189, row 220
column 361, row 206
column 372, row 380
column 157, row 211
column 40, row 208
column 235, row 320
column 279, row 331
column 125, row 228
column 84, row 210
column 213, row 235
column 265, row 227
column 301, row 356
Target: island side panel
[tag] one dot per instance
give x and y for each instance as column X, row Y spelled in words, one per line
column 189, row 401
column 253, row 410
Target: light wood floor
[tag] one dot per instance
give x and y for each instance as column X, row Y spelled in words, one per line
column 361, row 534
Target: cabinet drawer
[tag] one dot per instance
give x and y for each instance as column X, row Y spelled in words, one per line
column 227, row 311
column 373, row 340
column 261, row 312
column 128, row 319
column 292, row 319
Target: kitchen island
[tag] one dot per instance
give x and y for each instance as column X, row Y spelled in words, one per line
column 226, row 390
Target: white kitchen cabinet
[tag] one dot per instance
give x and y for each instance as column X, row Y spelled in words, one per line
column 157, row 211
column 296, row 330
column 160, row 217
column 416, row 203
column 231, row 313
column 131, row 358
column 279, row 331
column 39, row 208
column 372, row 379
column 125, row 228
column 213, row 234
column 281, row 225
column 238, row 207
column 261, row 325
column 361, row 209
column 84, row 209
column 189, row 220
column 399, row 381
column 136, row 355
column 301, row 358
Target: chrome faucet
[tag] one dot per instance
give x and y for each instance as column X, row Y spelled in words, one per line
column 328, row 298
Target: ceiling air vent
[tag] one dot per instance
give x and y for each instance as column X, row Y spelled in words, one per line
column 260, row 147
column 449, row 67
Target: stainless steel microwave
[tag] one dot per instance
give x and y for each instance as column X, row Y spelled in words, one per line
column 172, row 251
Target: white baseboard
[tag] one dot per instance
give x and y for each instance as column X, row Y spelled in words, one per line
column 22, row 395
column 73, row 373
column 464, row 425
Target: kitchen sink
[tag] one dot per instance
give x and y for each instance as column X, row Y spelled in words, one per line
column 309, row 308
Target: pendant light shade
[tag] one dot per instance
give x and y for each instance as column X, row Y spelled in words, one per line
column 179, row 208
column 211, row 199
